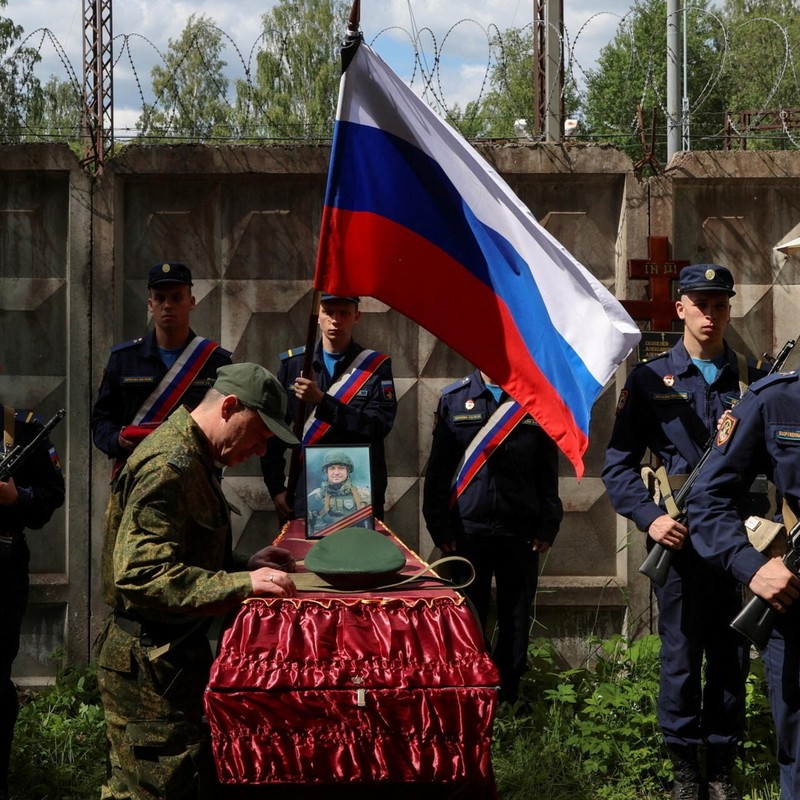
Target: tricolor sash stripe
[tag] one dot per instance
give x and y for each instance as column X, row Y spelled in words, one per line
column 508, row 415
column 177, row 380
column 345, row 389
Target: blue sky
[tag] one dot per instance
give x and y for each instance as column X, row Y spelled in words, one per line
column 460, row 28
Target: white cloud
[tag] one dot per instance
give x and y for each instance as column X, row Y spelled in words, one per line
column 456, row 31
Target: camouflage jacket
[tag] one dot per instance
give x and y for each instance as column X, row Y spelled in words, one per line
column 168, row 533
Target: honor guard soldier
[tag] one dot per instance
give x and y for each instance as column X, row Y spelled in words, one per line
column 146, row 379
column 762, row 434
column 349, row 397
column 27, row 501
column 670, row 406
column 491, row 496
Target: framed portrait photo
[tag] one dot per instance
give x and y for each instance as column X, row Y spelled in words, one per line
column 337, row 486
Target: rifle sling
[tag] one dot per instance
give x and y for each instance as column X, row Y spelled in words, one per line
column 669, row 485
column 789, row 517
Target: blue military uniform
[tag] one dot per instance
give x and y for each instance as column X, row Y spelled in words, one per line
column 134, row 369
column 762, row 434
column 366, row 419
column 510, row 502
column 667, row 407
column 40, row 488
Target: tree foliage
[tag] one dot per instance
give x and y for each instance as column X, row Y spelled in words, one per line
column 632, row 72
column 17, row 83
column 295, row 88
column 508, row 109
column 54, row 113
column 762, row 68
column 190, row 89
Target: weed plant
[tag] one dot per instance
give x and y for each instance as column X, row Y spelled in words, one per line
column 591, row 733
column 59, row 741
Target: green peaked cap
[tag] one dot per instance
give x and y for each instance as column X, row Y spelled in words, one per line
column 357, row 556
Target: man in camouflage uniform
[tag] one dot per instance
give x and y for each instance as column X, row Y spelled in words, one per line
column 337, row 497
column 167, row 570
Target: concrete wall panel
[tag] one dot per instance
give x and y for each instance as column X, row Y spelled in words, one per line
column 246, row 220
column 45, row 335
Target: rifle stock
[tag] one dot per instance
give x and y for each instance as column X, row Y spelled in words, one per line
column 756, row 620
column 656, row 565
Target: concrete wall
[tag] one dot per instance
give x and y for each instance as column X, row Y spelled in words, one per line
column 74, row 259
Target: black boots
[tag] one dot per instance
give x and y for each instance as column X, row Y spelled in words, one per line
column 687, row 772
column 719, row 769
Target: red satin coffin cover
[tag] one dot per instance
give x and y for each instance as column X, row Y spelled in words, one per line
column 325, row 688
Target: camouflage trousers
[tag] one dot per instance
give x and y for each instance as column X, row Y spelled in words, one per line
column 159, row 742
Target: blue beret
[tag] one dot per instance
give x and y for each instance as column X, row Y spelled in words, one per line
column 169, row 272
column 706, row 278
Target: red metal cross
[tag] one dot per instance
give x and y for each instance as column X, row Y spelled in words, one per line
column 660, row 271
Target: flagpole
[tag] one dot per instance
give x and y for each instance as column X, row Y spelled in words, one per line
column 354, row 36
column 296, row 461
column 350, row 45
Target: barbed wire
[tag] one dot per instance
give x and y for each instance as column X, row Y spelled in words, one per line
column 427, row 58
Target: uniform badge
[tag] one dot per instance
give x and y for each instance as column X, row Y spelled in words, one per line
column 165, row 268
column 710, row 274
column 727, row 425
column 348, row 504
column 623, row 398
column 469, row 405
column 387, row 387
column 669, row 380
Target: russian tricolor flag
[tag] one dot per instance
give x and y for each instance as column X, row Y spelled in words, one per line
column 415, row 217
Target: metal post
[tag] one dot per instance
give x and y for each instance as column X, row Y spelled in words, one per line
column 548, row 57
column 98, row 88
column 686, row 143
column 673, row 80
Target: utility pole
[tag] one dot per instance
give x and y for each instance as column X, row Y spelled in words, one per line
column 98, row 84
column 673, row 80
column 548, row 65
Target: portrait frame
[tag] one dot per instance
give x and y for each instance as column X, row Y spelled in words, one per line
column 351, row 505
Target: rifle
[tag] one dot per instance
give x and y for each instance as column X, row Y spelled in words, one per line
column 656, row 564
column 14, row 458
column 756, row 620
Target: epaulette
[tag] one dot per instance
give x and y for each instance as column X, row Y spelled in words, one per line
column 455, row 385
column 777, row 377
column 124, row 345
column 25, row 416
column 662, row 354
column 295, row 351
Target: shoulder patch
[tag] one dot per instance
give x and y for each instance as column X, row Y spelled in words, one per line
column 778, row 377
column 455, row 385
column 294, row 351
column 124, row 345
column 726, row 428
